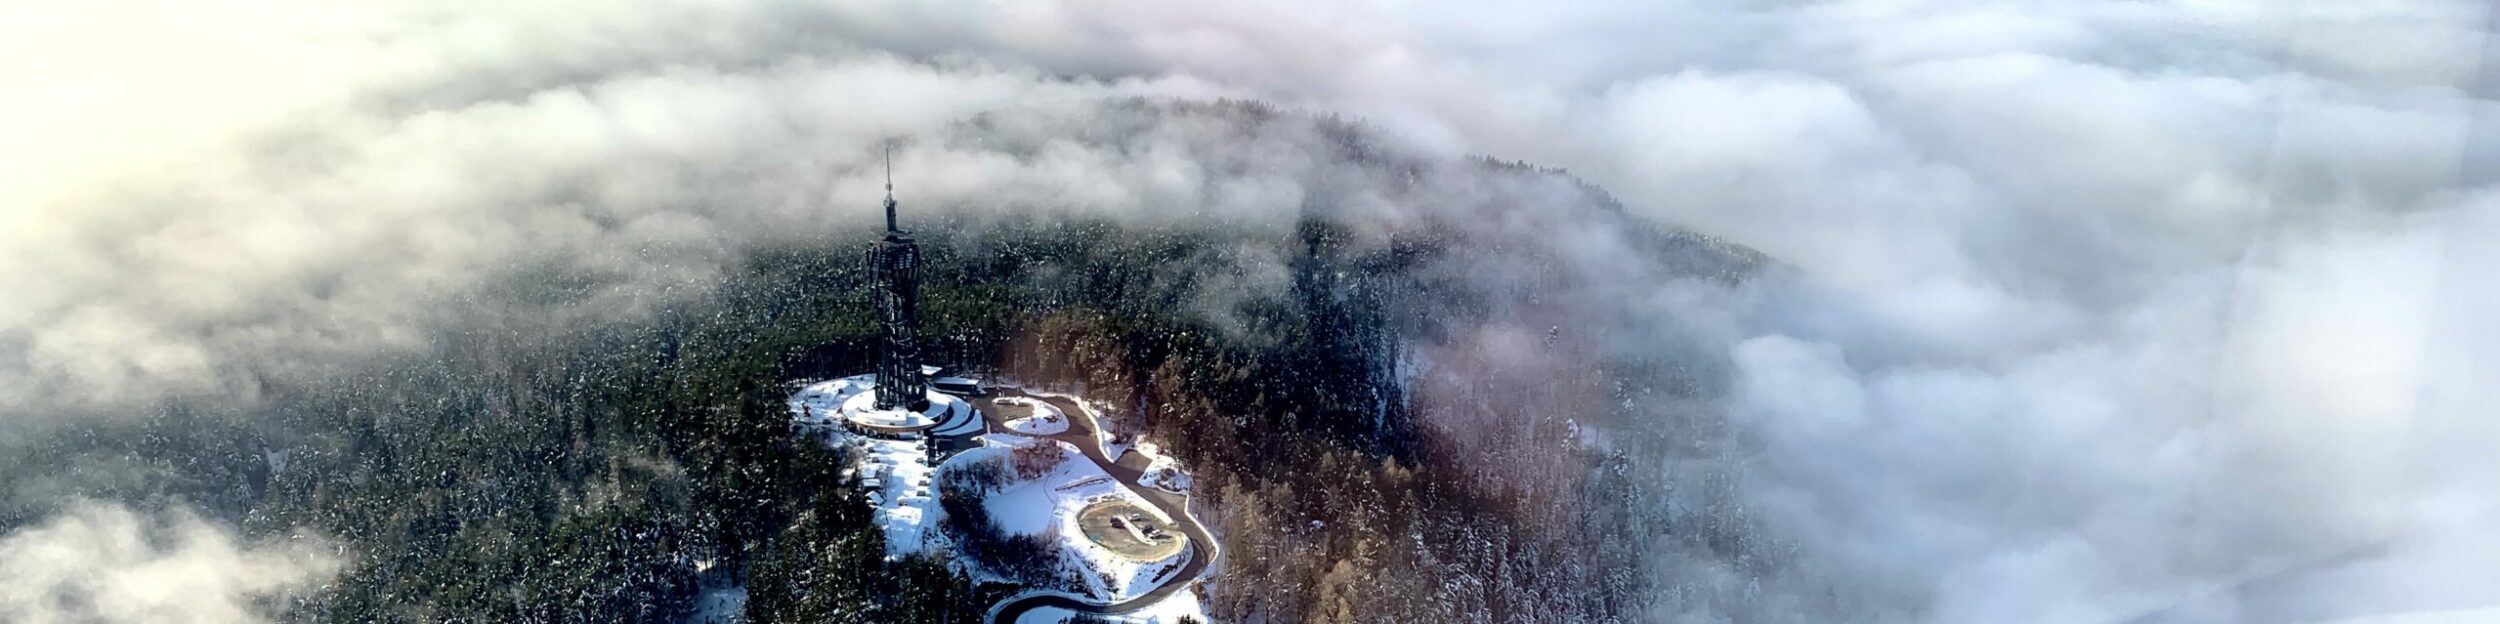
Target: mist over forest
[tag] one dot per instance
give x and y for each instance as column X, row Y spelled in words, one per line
column 1594, row 312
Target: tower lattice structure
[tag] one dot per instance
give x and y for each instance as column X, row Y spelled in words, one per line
column 896, row 262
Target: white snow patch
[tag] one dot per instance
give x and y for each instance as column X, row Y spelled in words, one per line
column 1166, row 611
column 1162, row 472
column 1022, row 509
column 819, row 404
column 1050, row 503
column 1047, row 615
column 855, row 398
column 1046, row 419
column 1031, row 506
column 1171, row 610
column 960, row 418
column 861, row 407
column 903, row 496
column 1007, row 440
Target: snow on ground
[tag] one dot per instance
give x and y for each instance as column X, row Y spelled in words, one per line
column 719, row 599
column 1171, row 610
column 902, row 494
column 899, row 479
column 1163, row 472
column 720, row 605
column 1050, row 501
column 1118, row 578
column 1045, row 419
column 1107, row 575
column 1167, row 478
column 1050, row 504
column 1105, row 422
column 960, row 420
column 1154, row 452
column 861, row 408
column 1023, row 509
column 1166, row 611
column 855, row 398
column 1026, row 506
column 820, row 404
column 896, row 473
column 1003, row 439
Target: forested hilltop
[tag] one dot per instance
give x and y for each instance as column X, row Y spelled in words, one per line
column 1337, row 386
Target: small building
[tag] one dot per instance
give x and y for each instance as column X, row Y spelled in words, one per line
column 944, row 380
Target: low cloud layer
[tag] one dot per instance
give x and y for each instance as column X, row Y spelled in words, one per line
column 98, row 562
column 2090, row 308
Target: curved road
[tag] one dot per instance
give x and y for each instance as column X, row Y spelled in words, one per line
column 1084, row 432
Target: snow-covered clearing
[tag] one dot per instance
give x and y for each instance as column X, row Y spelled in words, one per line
column 1040, row 504
column 1022, row 509
column 1169, row 610
column 1050, row 503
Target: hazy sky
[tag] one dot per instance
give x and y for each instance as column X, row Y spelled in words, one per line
column 2097, row 306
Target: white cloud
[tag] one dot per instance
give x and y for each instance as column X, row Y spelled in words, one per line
column 2095, row 305
column 103, row 563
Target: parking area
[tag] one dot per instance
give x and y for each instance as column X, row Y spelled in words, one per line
column 1130, row 531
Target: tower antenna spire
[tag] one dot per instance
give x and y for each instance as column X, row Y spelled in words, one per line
column 889, row 188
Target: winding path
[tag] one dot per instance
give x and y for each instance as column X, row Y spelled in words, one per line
column 1085, row 432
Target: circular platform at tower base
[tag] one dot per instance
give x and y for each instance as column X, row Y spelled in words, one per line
column 851, row 402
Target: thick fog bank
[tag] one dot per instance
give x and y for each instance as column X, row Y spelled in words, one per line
column 2083, row 309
